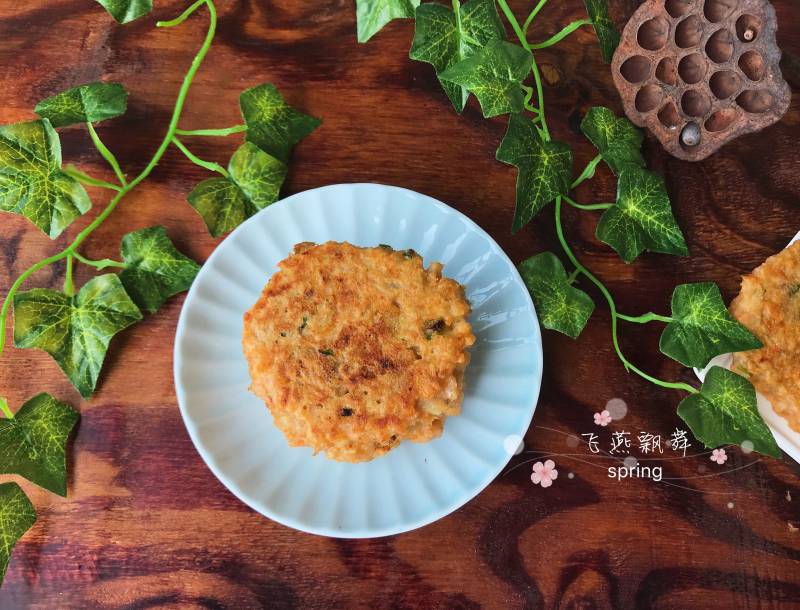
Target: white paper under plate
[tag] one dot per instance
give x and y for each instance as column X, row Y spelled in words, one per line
column 787, row 439
column 413, row 484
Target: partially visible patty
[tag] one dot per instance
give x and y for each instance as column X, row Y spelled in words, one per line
column 769, row 305
column 357, row 349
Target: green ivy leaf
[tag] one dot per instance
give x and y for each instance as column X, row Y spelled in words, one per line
column 221, row 204
column 642, row 217
column 258, row 174
column 31, row 181
column 125, row 11
column 559, row 305
column 605, row 29
column 442, row 40
column 17, row 516
column 618, row 140
column 702, row 327
column 494, row 74
column 33, row 443
column 372, row 15
column 255, row 182
column 273, row 125
column 726, row 412
column 155, row 269
column 545, row 168
column 85, row 104
column 75, row 330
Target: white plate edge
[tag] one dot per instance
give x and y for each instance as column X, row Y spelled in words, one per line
column 327, row 532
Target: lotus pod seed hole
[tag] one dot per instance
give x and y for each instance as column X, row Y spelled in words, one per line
column 719, row 47
column 689, row 32
column 724, row 84
column 648, row 98
column 753, row 66
column 669, row 116
column 690, row 135
column 755, row 101
column 678, row 8
column 721, row 120
column 635, row 69
column 719, row 10
column 653, row 34
column 666, row 71
column 695, row 103
column 747, row 28
column 692, row 68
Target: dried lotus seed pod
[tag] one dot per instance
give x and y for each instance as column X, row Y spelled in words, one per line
column 699, row 73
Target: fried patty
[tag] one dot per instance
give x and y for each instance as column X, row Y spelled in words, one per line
column 769, row 305
column 357, row 349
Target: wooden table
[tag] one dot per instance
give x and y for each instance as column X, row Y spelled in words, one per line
column 146, row 524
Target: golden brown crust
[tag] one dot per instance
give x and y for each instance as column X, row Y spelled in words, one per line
column 356, row 349
column 769, row 305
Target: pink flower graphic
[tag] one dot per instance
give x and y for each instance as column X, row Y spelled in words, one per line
column 544, row 474
column 602, row 419
column 719, row 456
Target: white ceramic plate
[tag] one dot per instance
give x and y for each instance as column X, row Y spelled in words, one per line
column 785, row 436
column 413, row 484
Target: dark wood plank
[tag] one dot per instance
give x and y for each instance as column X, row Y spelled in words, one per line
column 147, row 525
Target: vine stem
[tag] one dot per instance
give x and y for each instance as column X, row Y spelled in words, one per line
column 587, row 206
column 173, row 125
column 556, row 38
column 182, row 17
column 99, row 264
column 209, row 165
column 514, row 23
column 645, row 318
column 532, row 16
column 676, row 385
column 527, row 102
column 587, row 172
column 69, row 286
column 84, row 178
column 106, row 154
column 227, row 131
column 534, row 66
column 540, row 95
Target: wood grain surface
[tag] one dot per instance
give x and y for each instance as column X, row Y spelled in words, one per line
column 147, row 525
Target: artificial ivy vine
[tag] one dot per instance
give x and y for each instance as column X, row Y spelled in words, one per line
column 468, row 48
column 75, row 325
